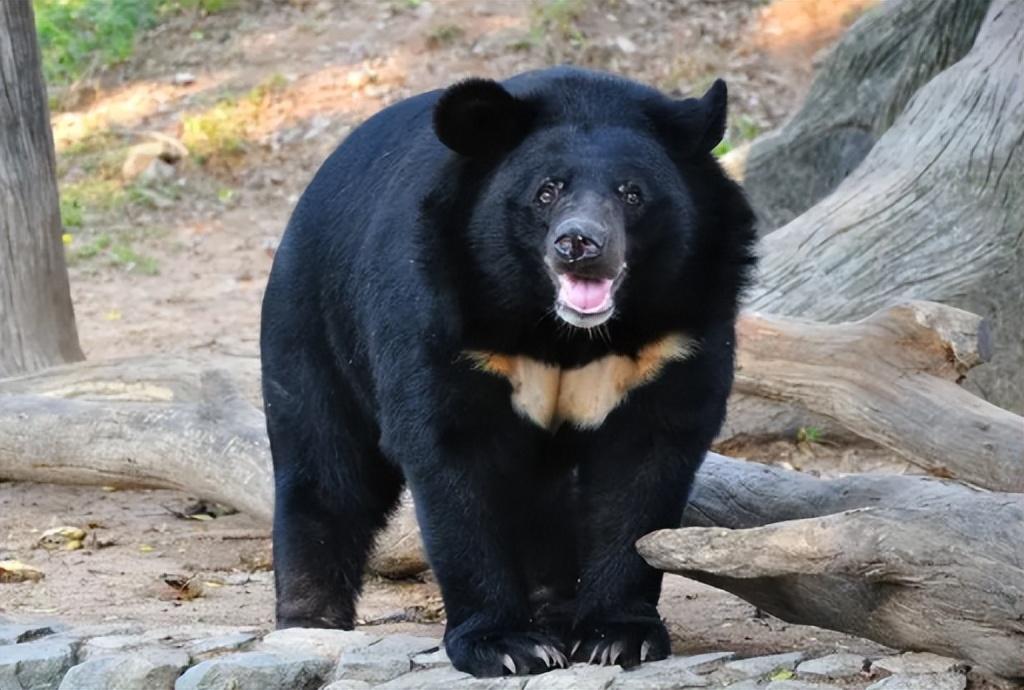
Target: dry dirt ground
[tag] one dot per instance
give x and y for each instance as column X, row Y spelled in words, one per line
column 180, row 264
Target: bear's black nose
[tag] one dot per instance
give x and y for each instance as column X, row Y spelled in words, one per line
column 576, row 244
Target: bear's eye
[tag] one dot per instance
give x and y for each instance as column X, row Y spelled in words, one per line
column 630, row 194
column 549, row 191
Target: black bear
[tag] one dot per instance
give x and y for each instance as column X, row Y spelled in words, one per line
column 518, row 299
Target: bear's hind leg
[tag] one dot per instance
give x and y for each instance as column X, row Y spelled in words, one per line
column 334, row 492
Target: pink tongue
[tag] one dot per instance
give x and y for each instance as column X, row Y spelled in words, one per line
column 585, row 296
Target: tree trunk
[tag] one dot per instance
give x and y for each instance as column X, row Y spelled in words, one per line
column 860, row 89
column 37, row 322
column 935, row 211
column 911, row 562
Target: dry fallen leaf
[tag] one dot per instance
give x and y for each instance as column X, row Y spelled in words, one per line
column 183, row 587
column 16, row 571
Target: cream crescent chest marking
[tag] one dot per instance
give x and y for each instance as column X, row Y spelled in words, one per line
column 583, row 396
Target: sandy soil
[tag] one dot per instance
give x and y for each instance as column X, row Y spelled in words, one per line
column 211, row 231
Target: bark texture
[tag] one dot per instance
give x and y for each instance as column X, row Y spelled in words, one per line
column 861, row 88
column 37, row 322
column 891, row 378
column 935, row 211
column 911, row 562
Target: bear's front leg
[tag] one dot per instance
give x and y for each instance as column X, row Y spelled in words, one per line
column 628, row 489
column 468, row 514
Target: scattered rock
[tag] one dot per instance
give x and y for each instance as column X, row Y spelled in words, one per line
column 758, row 666
column 64, row 537
column 183, row 79
column 329, row 644
column 436, row 659
column 219, row 644
column 16, row 571
column 926, row 681
column 141, row 156
column 624, row 44
column 150, row 669
column 35, row 665
column 839, row 665
column 14, row 633
column 579, row 677
column 669, row 674
column 256, row 671
column 917, row 662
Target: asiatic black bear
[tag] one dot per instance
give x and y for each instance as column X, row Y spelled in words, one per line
column 518, row 299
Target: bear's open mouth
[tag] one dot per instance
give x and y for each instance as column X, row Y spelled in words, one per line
column 585, row 302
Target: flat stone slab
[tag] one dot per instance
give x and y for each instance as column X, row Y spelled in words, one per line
column 348, row 685
column 924, row 681
column 371, row 667
column 917, row 662
column 446, row 678
column 839, row 665
column 257, row 671
column 758, row 666
column 142, row 669
column 208, row 647
column 438, row 659
column 329, row 644
column 702, row 663
column 36, row 665
column 669, row 674
column 581, row 676
column 797, row 685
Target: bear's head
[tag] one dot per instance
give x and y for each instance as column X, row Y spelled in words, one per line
column 594, row 201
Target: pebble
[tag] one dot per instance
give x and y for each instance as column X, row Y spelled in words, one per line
column 13, row 633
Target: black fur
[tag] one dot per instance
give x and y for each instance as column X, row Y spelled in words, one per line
column 404, row 253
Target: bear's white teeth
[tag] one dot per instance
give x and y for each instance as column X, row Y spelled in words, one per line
column 583, row 295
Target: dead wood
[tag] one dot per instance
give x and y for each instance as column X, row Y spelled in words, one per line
column 911, row 562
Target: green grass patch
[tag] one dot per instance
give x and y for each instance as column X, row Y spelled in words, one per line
column 76, row 36
column 215, row 133
column 119, row 253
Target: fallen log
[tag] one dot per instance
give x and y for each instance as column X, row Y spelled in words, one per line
column 911, row 562
column 891, row 378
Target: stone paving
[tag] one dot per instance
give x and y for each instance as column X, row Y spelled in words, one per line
column 126, row 657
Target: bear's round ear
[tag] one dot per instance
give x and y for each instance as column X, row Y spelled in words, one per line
column 697, row 125
column 479, row 118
